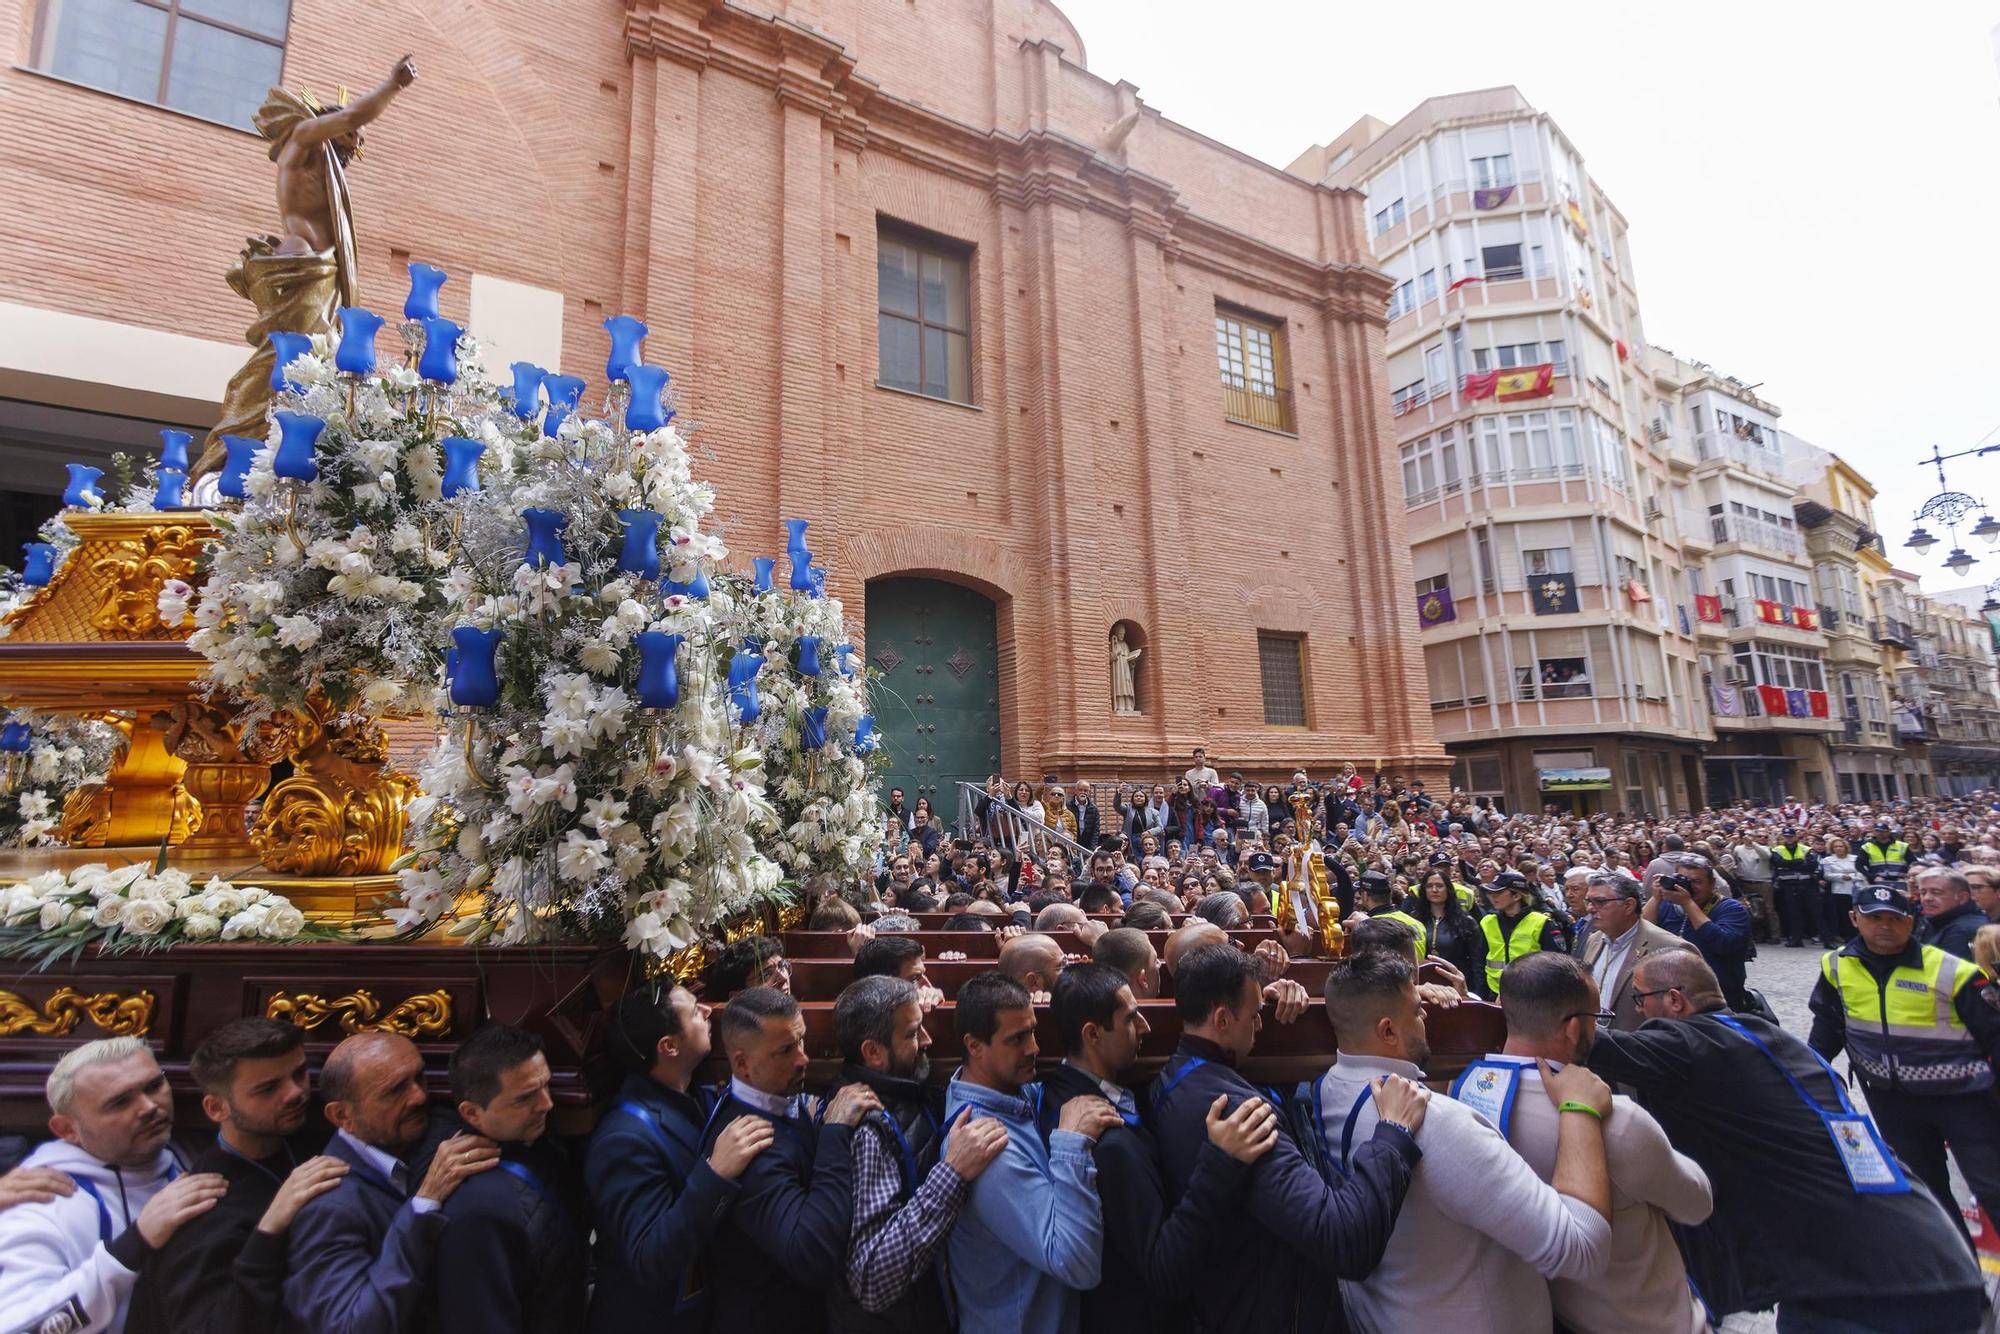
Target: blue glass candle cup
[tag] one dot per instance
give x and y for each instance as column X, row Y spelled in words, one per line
column 801, row 570
column 474, row 682
column 843, row 658
column 763, row 565
column 743, row 703
column 40, row 565
column 82, row 490
column 461, row 465
column 527, row 395
column 355, row 353
column 167, row 496
column 812, row 729
column 646, row 412
column 285, row 349
column 865, row 739
column 422, row 302
column 15, row 738
column 818, row 575
column 545, row 545
column 659, row 684
column 239, row 452
column 627, row 333
column 809, row 665
column 174, row 449
column 564, row 393
column 640, row 555
column 297, row 434
column 439, row 362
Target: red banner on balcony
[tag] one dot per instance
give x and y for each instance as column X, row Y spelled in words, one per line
column 1817, row 699
column 1770, row 613
column 1527, row 382
column 1708, row 608
column 1805, row 618
column 1481, row 384
column 1468, row 278
column 1637, row 591
column 1624, row 352
column 1773, row 700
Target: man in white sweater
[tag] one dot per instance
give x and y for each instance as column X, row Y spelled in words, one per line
column 68, row 1263
column 1551, row 1007
column 1479, row 1234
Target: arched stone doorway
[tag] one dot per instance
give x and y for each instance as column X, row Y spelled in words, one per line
column 937, row 697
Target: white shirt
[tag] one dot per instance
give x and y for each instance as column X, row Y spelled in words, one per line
column 1645, row 1288
column 1114, row 1093
column 390, row 1168
column 771, row 1104
column 1611, row 958
column 1479, row 1233
column 1201, row 780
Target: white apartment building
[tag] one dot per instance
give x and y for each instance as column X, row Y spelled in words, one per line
column 1539, row 462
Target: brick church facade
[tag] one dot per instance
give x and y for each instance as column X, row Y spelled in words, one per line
column 1035, row 361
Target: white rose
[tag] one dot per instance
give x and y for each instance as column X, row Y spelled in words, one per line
column 54, row 914
column 145, row 917
column 284, row 921
column 202, row 926
column 108, row 912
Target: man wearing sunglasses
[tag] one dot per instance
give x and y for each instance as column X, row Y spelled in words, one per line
column 1620, row 940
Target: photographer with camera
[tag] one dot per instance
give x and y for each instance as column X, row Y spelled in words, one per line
column 1689, row 905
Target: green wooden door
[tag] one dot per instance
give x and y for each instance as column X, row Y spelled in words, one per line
column 937, row 698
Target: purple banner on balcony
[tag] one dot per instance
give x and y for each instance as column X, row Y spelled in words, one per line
column 1492, row 196
column 1797, row 705
column 1552, row 594
column 1435, row 608
column 1725, row 702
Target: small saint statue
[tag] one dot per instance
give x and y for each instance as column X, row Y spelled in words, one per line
column 1124, row 679
column 298, row 279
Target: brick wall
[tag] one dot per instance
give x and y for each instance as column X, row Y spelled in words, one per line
column 719, row 170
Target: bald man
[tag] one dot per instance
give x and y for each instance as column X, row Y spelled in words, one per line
column 1196, row 933
column 1034, row 960
column 361, row 1254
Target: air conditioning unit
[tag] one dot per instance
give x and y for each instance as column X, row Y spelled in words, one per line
column 1654, row 509
column 1656, row 430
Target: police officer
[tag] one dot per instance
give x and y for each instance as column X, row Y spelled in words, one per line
column 1515, row 927
column 1922, row 1029
column 1373, row 897
column 1883, row 854
column 1800, row 888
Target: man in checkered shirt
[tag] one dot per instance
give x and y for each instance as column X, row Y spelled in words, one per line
column 906, row 1194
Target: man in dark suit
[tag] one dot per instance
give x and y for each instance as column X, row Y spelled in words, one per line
column 513, row 1259
column 1089, row 821
column 1620, row 941
column 361, row 1254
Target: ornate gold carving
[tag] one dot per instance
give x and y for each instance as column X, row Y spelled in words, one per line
column 422, row 1016
column 341, row 811
column 140, row 802
column 117, row 1014
column 133, row 572
column 227, row 769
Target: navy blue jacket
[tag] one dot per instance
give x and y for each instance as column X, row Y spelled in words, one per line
column 657, row 1205
column 1274, row 1272
column 513, row 1257
column 1952, row 930
column 1154, row 1246
column 1724, row 941
column 360, row 1256
column 784, row 1241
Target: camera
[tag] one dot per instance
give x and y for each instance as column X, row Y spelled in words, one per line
column 1678, row 882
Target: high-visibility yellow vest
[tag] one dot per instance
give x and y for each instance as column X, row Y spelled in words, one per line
column 1466, row 896
column 1504, row 946
column 1398, row 915
column 1897, row 852
column 1906, row 1031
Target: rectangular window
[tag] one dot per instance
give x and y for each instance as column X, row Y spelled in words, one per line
column 210, row 58
column 1437, row 583
column 1250, row 352
column 1388, row 217
column 1281, row 662
column 924, row 320
column 1411, row 395
column 1482, row 551
column 1500, row 262
column 1559, row 356
column 1402, row 299
column 1427, row 285
column 1492, row 172
column 1536, row 562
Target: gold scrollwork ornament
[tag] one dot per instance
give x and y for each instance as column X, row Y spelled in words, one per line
column 119, row 1015
column 134, row 573
column 341, row 811
column 427, row 1015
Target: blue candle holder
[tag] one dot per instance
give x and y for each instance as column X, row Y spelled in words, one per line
column 545, row 546
column 843, row 659
column 82, row 492
column 812, row 729
column 743, row 703
column 439, row 362
column 564, row 392
column 474, row 683
column 286, row 348
column 527, row 395
column 422, row 302
column 801, row 570
column 641, row 553
column 698, row 586
column 627, row 332
column 763, row 565
column 461, row 465
column 818, row 573
column 865, row 739
column 646, row 412
column 239, row 452
column 809, row 656
column 297, row 434
column 355, row 353
column 174, row 449
column 40, row 565
column 795, row 536
column 659, row 684
column 168, row 496
column 15, row 738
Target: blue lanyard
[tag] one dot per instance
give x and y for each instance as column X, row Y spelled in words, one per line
column 1846, row 1107
column 103, row 1210
column 903, row 1146
column 668, row 1140
column 1346, row 1129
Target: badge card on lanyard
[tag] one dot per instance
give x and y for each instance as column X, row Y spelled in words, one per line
column 1489, row 1087
column 1871, row 1168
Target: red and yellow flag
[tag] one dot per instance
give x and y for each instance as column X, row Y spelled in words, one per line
column 1576, row 218
column 1526, row 382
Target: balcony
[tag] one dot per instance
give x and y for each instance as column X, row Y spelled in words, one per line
column 1724, row 528
column 1270, row 409
column 1709, row 447
column 1891, row 633
column 1748, row 614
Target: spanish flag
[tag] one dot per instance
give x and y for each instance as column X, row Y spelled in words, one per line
column 1527, row 382
column 1576, row 218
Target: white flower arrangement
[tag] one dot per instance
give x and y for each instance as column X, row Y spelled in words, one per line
column 56, row 914
column 335, row 585
column 829, row 815
column 567, row 810
column 63, row 754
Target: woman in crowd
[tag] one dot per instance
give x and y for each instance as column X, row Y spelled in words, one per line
column 1842, row 877
column 1450, row 932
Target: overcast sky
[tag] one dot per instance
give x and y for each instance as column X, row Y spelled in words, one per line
column 1812, row 192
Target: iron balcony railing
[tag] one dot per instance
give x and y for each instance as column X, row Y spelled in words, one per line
column 1007, row 825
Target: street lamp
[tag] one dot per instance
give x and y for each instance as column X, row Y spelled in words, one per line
column 1959, row 561
column 1988, row 527
column 1921, row 540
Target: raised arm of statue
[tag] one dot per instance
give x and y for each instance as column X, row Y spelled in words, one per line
column 363, row 110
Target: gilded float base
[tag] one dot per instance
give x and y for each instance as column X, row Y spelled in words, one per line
column 346, row 901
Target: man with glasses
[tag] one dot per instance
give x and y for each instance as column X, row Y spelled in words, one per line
column 1620, row 940
column 1688, row 905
